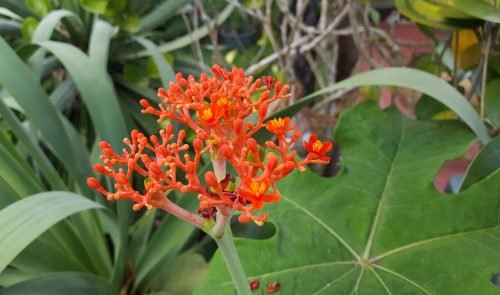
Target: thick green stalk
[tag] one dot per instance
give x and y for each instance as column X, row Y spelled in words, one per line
column 233, row 264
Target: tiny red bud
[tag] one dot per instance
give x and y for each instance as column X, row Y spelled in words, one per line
column 121, row 178
column 162, row 92
column 272, row 161
column 155, row 169
column 100, row 169
column 243, row 218
column 144, row 103
column 211, row 180
column 94, row 183
column 225, row 150
column 238, row 125
column 263, row 110
column 198, row 144
column 252, row 145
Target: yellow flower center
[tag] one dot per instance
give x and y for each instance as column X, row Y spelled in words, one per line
column 317, row 145
column 258, row 188
column 207, row 114
column 277, row 123
column 223, row 101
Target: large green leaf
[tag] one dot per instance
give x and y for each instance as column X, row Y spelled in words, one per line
column 482, row 9
column 379, row 226
column 408, row 78
column 25, row 220
column 436, row 13
column 492, row 101
column 485, row 162
column 61, row 284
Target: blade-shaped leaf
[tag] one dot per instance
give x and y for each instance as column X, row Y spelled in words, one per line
column 187, row 39
column 96, row 89
column 25, row 220
column 379, row 226
column 411, row 79
column 62, row 283
column 37, row 106
column 99, row 43
column 166, row 73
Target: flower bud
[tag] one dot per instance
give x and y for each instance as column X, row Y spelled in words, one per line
column 198, row 144
column 225, row 150
column 238, row 125
column 94, row 183
column 263, row 110
column 121, row 178
column 155, row 169
column 252, row 145
column 144, row 103
column 100, row 169
column 272, row 161
column 211, row 180
column 243, row 218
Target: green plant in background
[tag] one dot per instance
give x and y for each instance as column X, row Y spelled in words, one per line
column 52, row 119
column 71, row 72
column 474, row 46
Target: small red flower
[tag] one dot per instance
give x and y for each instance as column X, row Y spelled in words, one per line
column 255, row 192
column 279, row 125
column 317, row 148
column 269, row 81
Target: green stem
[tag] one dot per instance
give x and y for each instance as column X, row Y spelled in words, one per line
column 233, row 264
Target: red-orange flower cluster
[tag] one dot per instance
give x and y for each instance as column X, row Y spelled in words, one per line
column 224, row 111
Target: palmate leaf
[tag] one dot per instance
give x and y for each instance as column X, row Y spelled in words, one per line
column 379, row 226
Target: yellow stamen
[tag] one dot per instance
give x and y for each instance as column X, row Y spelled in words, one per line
column 317, row 145
column 277, row 123
column 258, row 188
column 207, row 114
column 223, row 101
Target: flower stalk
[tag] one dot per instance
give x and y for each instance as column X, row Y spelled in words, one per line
column 232, row 261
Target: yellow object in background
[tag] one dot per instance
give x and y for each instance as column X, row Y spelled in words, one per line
column 468, row 51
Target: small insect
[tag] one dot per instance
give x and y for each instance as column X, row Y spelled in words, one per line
column 273, row 287
column 254, row 284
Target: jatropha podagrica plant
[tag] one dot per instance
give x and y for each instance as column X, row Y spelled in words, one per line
column 224, row 111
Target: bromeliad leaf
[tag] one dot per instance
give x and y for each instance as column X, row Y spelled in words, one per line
column 379, row 226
